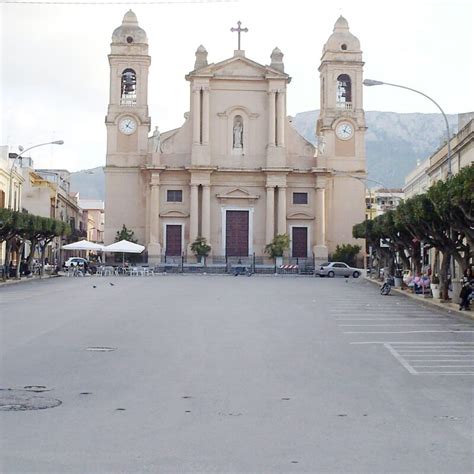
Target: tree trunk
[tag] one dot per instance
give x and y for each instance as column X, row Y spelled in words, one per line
column 6, row 263
column 30, row 258
column 443, row 275
column 18, row 263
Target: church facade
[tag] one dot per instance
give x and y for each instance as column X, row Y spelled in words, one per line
column 236, row 172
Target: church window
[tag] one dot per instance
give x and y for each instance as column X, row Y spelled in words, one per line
column 300, row 198
column 129, row 39
column 238, row 132
column 344, row 92
column 128, row 88
column 344, row 46
column 174, row 195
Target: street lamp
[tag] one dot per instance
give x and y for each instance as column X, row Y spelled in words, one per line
column 22, row 152
column 372, row 82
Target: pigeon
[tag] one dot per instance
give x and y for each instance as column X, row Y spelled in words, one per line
column 111, row 284
column 93, row 286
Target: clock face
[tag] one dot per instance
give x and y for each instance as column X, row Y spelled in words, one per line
column 345, row 130
column 127, row 125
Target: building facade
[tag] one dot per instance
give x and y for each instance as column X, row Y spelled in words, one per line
column 46, row 193
column 11, row 185
column 236, row 172
column 379, row 201
column 93, row 219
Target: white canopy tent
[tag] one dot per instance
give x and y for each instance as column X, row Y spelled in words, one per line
column 124, row 246
column 83, row 245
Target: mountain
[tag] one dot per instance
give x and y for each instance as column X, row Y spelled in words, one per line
column 394, row 143
column 89, row 183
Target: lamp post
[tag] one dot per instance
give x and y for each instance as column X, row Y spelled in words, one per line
column 372, row 82
column 22, row 152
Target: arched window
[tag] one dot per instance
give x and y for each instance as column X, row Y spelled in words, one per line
column 128, row 94
column 238, row 132
column 344, row 92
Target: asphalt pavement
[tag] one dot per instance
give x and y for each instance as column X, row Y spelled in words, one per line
column 223, row 374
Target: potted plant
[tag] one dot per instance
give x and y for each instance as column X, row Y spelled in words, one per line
column 277, row 247
column 200, row 248
column 434, row 285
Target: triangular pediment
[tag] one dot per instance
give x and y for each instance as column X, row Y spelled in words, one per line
column 239, row 67
column 237, row 193
column 300, row 216
column 174, row 213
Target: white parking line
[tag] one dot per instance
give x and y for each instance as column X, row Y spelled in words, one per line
column 403, row 332
column 431, row 358
column 401, row 359
column 404, row 324
column 415, row 343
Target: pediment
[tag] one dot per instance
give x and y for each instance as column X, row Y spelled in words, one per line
column 238, row 193
column 300, row 216
column 239, row 67
column 174, row 213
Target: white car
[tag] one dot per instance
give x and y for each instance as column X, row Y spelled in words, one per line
column 75, row 261
column 332, row 269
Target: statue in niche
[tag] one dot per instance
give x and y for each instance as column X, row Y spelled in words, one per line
column 238, row 132
column 321, row 144
column 156, row 140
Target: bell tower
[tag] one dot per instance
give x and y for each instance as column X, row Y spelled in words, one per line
column 341, row 130
column 128, row 125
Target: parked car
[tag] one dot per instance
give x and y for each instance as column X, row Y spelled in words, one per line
column 332, row 269
column 75, row 261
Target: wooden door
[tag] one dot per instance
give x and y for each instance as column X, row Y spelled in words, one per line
column 237, row 233
column 173, row 240
column 299, row 241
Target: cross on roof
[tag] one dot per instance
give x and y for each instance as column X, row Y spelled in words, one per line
column 239, row 30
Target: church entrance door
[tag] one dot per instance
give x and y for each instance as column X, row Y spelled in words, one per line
column 237, row 233
column 173, row 240
column 299, row 239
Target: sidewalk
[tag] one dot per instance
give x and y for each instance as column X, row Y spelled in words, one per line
column 14, row 281
column 428, row 300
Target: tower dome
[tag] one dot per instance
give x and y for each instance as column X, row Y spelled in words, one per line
column 342, row 39
column 129, row 32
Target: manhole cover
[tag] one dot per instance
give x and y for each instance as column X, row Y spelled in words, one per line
column 101, row 349
column 22, row 400
column 36, row 388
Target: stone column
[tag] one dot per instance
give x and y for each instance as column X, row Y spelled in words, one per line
column 281, row 209
column 270, row 215
column 193, row 215
column 281, row 118
column 271, row 118
column 320, row 249
column 154, row 247
column 197, row 115
column 205, row 116
column 206, row 212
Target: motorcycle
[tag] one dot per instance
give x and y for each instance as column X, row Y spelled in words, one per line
column 387, row 286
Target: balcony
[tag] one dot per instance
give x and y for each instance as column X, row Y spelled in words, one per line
column 344, row 105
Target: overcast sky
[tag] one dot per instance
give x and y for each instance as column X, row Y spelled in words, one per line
column 55, row 72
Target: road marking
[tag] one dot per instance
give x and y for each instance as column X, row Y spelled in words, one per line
column 442, row 360
column 400, row 318
column 446, row 373
column 418, row 357
column 404, row 324
column 412, row 343
column 402, row 332
column 401, row 359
